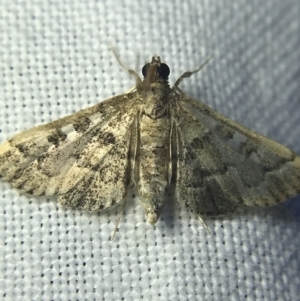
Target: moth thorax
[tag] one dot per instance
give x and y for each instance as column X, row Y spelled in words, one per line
column 156, row 100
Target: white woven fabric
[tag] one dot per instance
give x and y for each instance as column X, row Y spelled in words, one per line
column 55, row 60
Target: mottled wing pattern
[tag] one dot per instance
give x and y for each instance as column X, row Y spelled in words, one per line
column 74, row 156
column 221, row 164
column 105, row 184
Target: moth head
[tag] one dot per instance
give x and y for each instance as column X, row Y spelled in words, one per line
column 156, row 71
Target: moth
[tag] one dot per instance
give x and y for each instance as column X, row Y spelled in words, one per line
column 154, row 140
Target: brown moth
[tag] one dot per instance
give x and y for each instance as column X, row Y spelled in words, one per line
column 151, row 140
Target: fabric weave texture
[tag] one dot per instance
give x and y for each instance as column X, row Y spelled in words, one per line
column 55, row 60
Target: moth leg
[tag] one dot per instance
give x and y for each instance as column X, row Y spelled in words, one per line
column 130, row 71
column 190, row 73
column 120, row 214
column 204, row 224
column 179, row 91
column 131, row 90
column 131, row 192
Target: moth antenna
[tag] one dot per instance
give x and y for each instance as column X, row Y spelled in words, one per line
column 137, row 63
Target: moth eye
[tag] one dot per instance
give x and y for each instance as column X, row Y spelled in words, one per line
column 164, row 71
column 145, row 69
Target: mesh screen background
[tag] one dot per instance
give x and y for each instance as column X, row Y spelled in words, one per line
column 55, row 60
